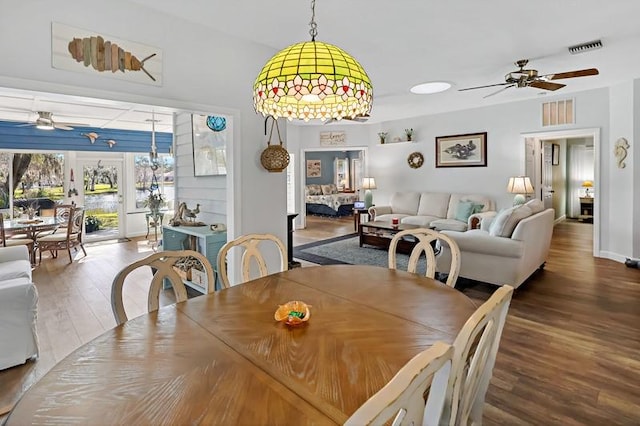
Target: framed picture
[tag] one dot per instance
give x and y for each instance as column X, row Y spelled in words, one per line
column 468, row 150
column 209, row 137
column 555, row 154
column 314, row 169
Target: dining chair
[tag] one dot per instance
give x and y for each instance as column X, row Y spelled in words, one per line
column 474, row 356
column 70, row 238
column 425, row 241
column 17, row 240
column 250, row 245
column 162, row 266
column 414, row 396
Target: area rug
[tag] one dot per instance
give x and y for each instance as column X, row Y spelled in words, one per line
column 346, row 250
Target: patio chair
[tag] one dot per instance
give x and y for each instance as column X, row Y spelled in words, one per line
column 251, row 252
column 162, row 266
column 425, row 241
column 17, row 240
column 72, row 238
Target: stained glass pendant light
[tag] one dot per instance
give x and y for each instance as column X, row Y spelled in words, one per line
column 312, row 79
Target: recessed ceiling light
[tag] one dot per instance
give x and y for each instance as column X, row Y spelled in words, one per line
column 431, row 87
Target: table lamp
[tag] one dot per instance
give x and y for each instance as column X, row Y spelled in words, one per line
column 368, row 183
column 586, row 185
column 519, row 185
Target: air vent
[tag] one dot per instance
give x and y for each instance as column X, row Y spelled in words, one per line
column 585, row 47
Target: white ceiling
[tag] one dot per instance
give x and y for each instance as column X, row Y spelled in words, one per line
column 403, row 43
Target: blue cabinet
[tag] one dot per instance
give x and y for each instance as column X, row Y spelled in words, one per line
column 197, row 238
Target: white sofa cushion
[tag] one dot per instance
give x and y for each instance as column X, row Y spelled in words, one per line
column 419, row 220
column 479, row 241
column 405, row 202
column 433, row 204
column 449, row 225
column 15, row 269
column 505, row 222
column 18, row 314
column 388, row 217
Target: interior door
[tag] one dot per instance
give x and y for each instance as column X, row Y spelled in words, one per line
column 102, row 199
column 547, row 175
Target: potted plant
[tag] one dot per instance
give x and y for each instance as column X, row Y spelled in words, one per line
column 383, row 136
column 92, row 224
column 409, row 133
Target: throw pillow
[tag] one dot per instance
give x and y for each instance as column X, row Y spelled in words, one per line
column 507, row 220
column 326, row 189
column 314, row 189
column 464, row 209
column 477, row 208
column 535, row 205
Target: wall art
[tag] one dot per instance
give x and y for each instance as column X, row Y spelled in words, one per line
column 79, row 50
column 209, row 147
column 467, row 150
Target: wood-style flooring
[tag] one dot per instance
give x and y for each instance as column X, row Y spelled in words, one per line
column 569, row 355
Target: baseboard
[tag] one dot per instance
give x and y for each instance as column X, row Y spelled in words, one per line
column 613, row 256
column 560, row 219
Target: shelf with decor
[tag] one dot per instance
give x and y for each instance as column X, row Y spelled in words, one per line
column 198, row 238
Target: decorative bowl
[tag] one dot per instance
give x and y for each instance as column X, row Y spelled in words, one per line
column 293, row 313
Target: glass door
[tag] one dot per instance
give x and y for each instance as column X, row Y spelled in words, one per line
column 103, row 202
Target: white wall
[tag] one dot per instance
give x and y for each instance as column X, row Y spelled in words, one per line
column 203, row 71
column 504, row 125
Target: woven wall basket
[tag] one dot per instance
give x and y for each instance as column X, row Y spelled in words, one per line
column 274, row 158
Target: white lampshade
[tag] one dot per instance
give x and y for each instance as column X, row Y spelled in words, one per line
column 520, row 185
column 368, row 183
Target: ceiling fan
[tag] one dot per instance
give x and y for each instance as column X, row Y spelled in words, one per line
column 45, row 122
column 530, row 78
column 357, row 119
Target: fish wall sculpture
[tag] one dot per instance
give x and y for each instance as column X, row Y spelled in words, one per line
column 106, row 56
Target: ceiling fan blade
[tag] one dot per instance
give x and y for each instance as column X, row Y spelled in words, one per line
column 546, row 85
column 501, row 90
column 62, row 126
column 482, row 87
column 571, row 74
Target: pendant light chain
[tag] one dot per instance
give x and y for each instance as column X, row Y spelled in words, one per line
column 314, row 27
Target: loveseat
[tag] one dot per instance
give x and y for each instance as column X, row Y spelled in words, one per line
column 508, row 247
column 442, row 210
column 18, row 308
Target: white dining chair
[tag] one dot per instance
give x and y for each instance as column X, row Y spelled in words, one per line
column 474, row 356
column 251, row 255
column 403, row 398
column 161, row 265
column 425, row 240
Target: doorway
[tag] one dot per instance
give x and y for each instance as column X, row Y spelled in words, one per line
column 102, row 199
column 353, row 166
column 551, row 162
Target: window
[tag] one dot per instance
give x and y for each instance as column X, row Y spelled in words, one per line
column 31, row 177
column 557, row 113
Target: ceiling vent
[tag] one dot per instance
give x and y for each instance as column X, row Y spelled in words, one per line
column 585, row 47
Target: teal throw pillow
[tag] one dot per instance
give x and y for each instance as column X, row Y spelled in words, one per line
column 464, row 210
column 477, row 208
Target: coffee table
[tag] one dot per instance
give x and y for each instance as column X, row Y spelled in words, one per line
column 379, row 234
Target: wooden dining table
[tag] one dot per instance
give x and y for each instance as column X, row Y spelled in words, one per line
column 30, row 228
column 223, row 359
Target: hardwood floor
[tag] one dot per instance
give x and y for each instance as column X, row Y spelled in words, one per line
column 568, row 356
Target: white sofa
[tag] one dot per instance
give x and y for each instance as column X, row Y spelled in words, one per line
column 507, row 248
column 443, row 210
column 18, row 308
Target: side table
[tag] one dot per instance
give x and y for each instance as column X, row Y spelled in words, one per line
column 356, row 217
column 586, row 209
column 154, row 219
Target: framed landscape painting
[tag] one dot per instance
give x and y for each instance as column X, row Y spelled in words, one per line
column 468, row 150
